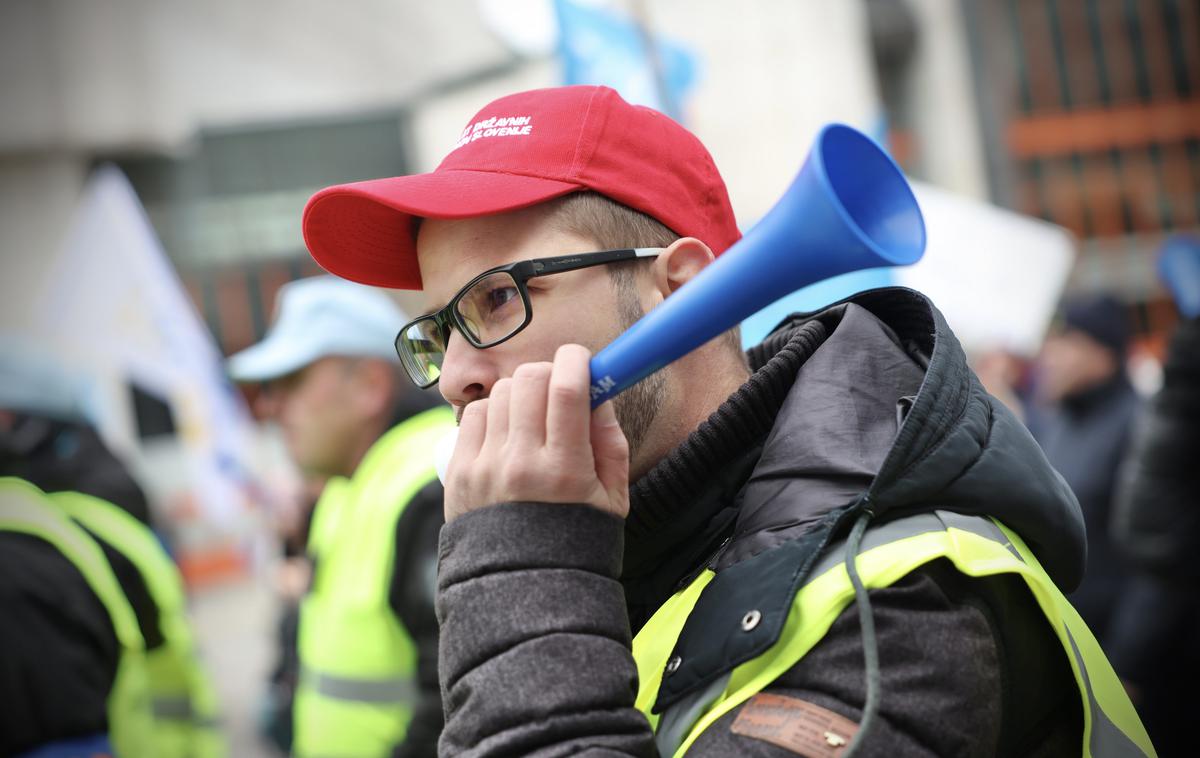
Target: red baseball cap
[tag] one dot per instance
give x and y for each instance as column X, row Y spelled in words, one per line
column 519, row 151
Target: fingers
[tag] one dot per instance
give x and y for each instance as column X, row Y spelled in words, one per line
column 536, row 439
column 611, row 454
column 472, row 428
column 527, row 406
column 498, row 412
column 569, row 403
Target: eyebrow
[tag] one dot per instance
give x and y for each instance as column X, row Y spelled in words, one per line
column 429, row 310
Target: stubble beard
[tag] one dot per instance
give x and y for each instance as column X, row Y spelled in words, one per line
column 637, row 408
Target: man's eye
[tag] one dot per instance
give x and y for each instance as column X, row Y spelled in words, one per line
column 500, row 296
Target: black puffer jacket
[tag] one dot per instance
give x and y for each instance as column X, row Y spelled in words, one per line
column 870, row 397
column 58, row 650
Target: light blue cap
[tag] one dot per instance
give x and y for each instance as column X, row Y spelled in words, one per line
column 318, row 317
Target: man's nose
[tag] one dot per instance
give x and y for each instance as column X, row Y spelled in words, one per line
column 468, row 373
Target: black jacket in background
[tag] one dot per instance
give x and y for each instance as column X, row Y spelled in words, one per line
column 1157, row 519
column 1086, row 438
column 60, row 456
column 58, row 650
column 1157, row 526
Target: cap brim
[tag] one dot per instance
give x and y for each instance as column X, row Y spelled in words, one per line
column 363, row 231
column 269, row 359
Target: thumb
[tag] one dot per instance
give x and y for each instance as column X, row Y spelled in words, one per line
column 610, row 450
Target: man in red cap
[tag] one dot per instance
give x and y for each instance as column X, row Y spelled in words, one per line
column 731, row 511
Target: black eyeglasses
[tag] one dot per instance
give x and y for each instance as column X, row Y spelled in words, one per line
column 492, row 308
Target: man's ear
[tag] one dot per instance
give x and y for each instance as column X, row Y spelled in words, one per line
column 675, row 266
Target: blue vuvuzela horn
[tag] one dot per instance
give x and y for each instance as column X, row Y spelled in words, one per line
column 849, row 208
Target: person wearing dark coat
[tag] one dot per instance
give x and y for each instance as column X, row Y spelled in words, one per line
column 1156, row 525
column 58, row 649
column 1083, row 418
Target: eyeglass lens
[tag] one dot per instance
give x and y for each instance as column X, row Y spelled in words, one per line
column 421, row 347
column 491, row 310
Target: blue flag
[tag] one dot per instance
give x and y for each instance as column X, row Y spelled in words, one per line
column 601, row 47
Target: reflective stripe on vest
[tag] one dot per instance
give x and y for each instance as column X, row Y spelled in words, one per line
column 26, row 509
column 177, row 683
column 180, row 709
column 173, row 708
column 358, row 662
column 977, row 546
column 398, row 690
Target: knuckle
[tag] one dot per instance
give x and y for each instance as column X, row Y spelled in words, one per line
column 517, row 477
column 528, row 371
column 620, row 448
column 502, row 387
column 563, row 479
column 473, row 413
column 617, row 439
column 565, row 392
column 458, row 482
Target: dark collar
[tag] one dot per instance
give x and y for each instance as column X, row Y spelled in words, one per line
column 682, row 509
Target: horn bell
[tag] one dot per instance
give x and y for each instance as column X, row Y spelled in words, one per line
column 850, row 208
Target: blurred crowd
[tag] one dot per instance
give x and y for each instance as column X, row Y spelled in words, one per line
column 1131, row 461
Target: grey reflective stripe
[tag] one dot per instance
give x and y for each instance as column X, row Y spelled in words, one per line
column 178, row 707
column 912, row 526
column 399, row 690
column 677, row 721
column 1107, row 739
column 984, row 527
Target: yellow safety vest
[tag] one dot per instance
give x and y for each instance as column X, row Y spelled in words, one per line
column 977, row 546
column 358, row 662
column 25, row 508
column 182, row 700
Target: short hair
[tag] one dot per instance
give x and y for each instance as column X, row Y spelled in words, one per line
column 612, row 225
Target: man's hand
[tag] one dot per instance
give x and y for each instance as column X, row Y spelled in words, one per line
column 536, row 439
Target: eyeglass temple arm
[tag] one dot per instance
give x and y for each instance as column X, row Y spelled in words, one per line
column 558, row 264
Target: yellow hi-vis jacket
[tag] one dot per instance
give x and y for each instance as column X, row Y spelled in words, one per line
column 358, row 662
column 182, row 700
column 977, row 546
column 26, row 509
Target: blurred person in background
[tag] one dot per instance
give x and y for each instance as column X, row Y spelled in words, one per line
column 689, row 513
column 367, row 635
column 1005, row 375
column 90, row 647
column 1082, row 416
column 1157, row 527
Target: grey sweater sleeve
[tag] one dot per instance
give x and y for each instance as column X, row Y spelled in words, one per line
column 535, row 645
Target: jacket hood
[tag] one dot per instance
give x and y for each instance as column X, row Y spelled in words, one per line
column 887, row 408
